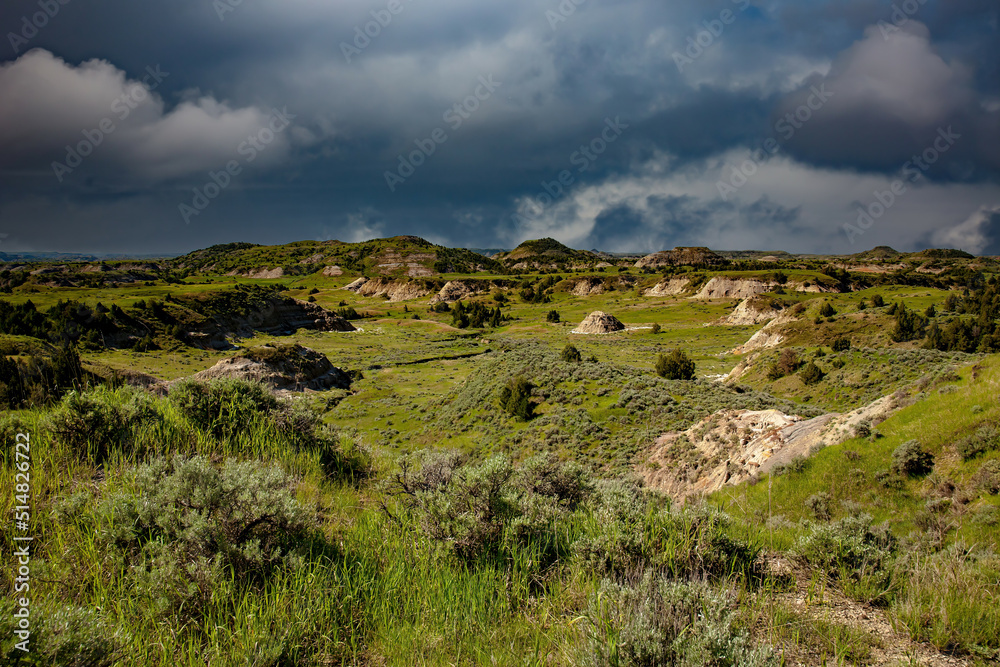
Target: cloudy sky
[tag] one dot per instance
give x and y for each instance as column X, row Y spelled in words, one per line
column 624, row 125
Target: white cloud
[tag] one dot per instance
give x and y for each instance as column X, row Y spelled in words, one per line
column 49, row 104
column 973, row 234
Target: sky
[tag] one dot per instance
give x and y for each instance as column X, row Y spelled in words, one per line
column 809, row 126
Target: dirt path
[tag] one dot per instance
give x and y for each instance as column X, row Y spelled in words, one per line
column 827, row 603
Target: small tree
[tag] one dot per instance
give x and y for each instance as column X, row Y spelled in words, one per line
column 515, row 398
column 811, row 374
column 675, row 366
column 552, row 317
column 570, row 354
column 827, row 310
column 841, row 345
column 877, row 301
column 656, row 328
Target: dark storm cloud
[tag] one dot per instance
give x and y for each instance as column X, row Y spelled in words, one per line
column 561, row 79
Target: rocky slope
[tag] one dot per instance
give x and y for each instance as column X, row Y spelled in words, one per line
column 732, row 446
column 283, row 367
column 599, row 322
column 680, row 257
column 669, row 287
column 395, row 290
column 754, row 311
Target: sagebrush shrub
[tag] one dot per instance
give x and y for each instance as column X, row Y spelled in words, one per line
column 490, row 508
column 223, row 408
column 189, row 524
column 653, row 621
column 818, row 505
column 988, row 477
column 985, row 439
column 69, row 636
column 95, row 422
column 854, row 551
column 911, row 459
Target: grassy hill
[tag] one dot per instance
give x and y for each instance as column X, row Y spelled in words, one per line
column 545, row 252
column 397, row 256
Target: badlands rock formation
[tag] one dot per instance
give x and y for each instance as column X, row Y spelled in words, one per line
column 731, row 446
column 599, row 323
column 283, row 367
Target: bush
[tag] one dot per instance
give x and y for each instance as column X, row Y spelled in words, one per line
column 811, row 374
column 68, row 637
column 855, row 552
column 787, row 363
column 985, row 439
column 96, row 422
column 675, row 366
column 818, row 505
column 492, row 508
column 655, row 329
column 189, row 523
column 841, row 345
column 878, row 301
column 515, row 398
column 911, row 460
column 632, row 530
column 223, row 408
column 827, row 310
column 987, row 477
column 654, row 621
column 571, row 355
column 552, row 317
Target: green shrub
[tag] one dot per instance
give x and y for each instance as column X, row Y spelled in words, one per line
column 985, row 439
column 95, row 422
column 656, row 328
column 67, row 637
column 675, row 366
column 570, row 354
column 552, row 316
column 827, row 310
column 632, row 530
column 841, row 345
column 190, row 525
column 855, row 552
column 490, row 509
column 911, row 460
column 811, row 374
column 987, row 477
column 818, row 505
column 653, row 621
column 223, row 408
column 515, row 398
